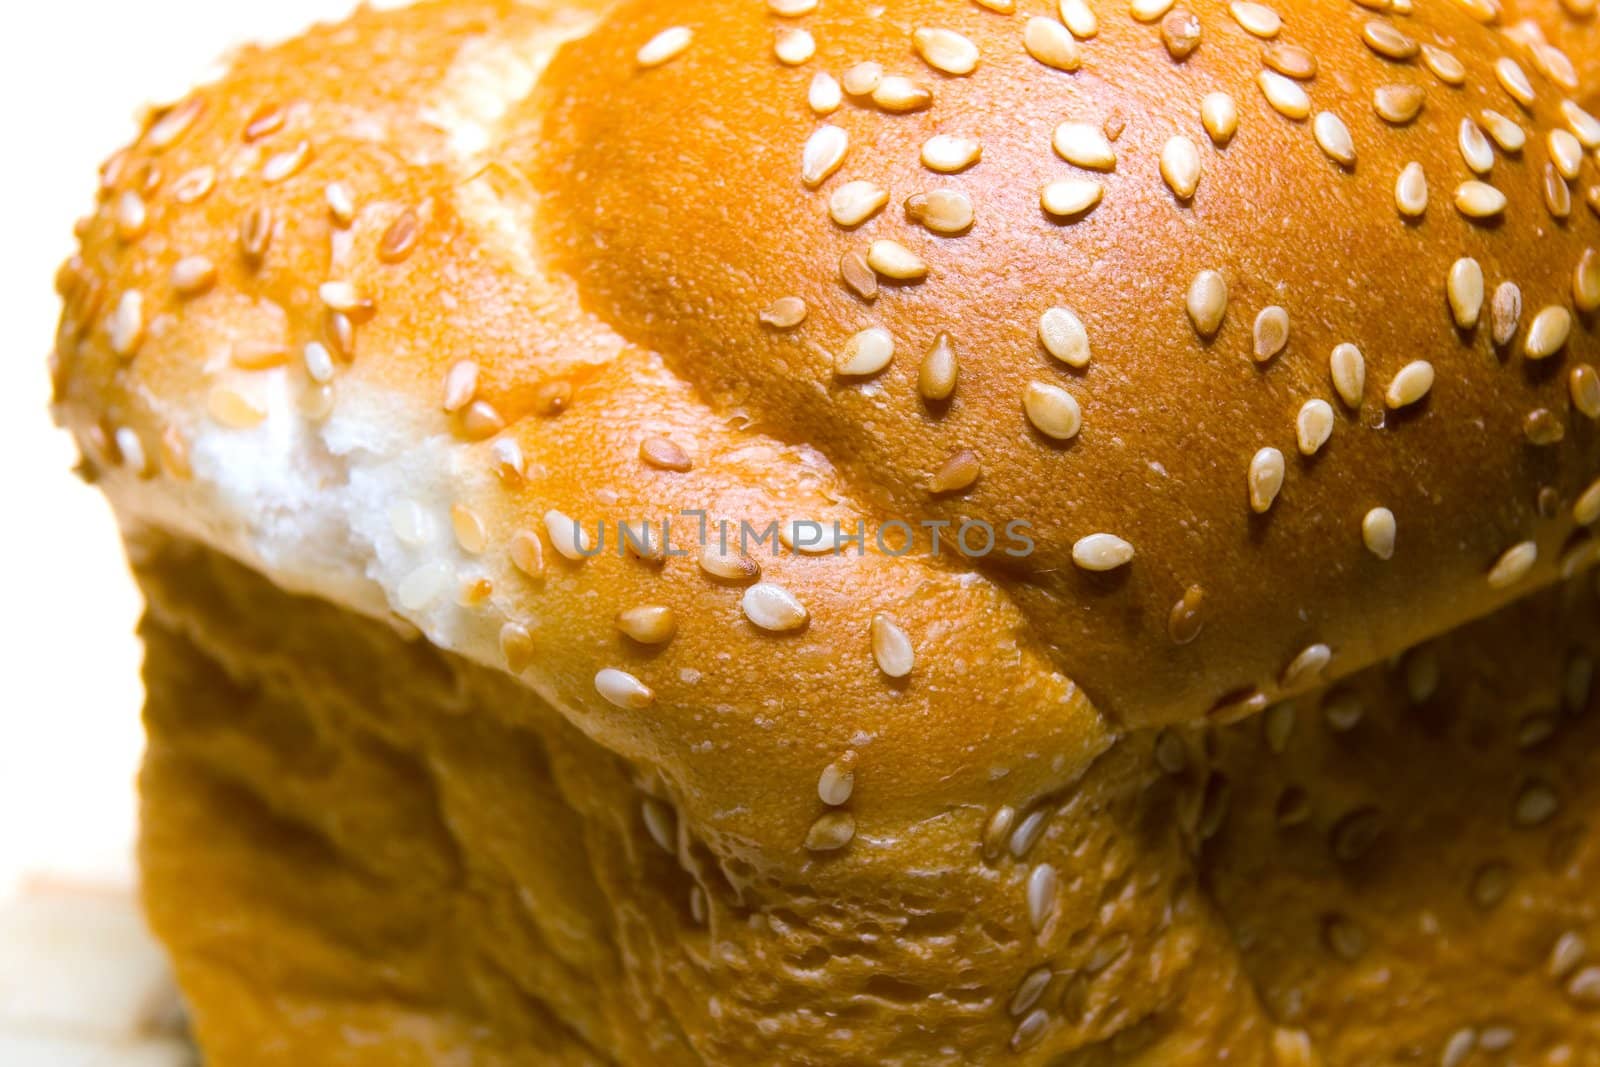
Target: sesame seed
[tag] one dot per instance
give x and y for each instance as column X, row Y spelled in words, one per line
column 1536, row 803
column 132, row 218
column 341, row 297
column 1333, row 137
column 837, row 782
column 1079, row 19
column 1557, row 197
column 791, row 9
column 664, row 454
column 997, row 830
column 1398, row 104
column 1566, row 954
column 943, row 211
column 1101, row 552
column 341, row 204
column 824, row 94
column 1410, row 385
column 1583, row 125
column 794, row 47
column 1050, row 43
column 664, row 46
column 1584, row 384
column 267, row 120
column 1306, row 666
column 1411, row 191
column 774, row 608
column 1313, row 426
column 1586, row 281
column 194, row 186
column 1504, row 131
column 1514, row 80
column 1584, row 987
column 400, row 237
column 132, row 449
column 1256, row 19
column 233, row 409
column 824, row 153
column 1184, row 621
column 1083, row 145
column 1148, row 10
column 318, row 361
column 1063, row 336
column 1344, row 938
column 1475, row 148
column 863, row 78
column 1464, row 289
column 193, row 275
column 1478, row 200
column 423, row 586
column 1180, row 32
column 1547, row 333
column 1271, row 333
column 1286, row 97
column 867, row 353
column 1053, row 411
column 173, row 123
column 1566, row 153
column 1180, row 167
column 1030, row 1030
column 1028, row 832
column 660, row 822
column 481, row 421
column 784, row 313
column 126, row 324
column 1378, row 532
column 949, row 154
column 1444, row 66
column 936, row 375
column 1029, row 990
column 1291, row 61
column 527, row 553
column 831, row 832
column 958, row 472
column 1513, row 565
column 857, row 275
column 566, row 536
column 891, row 648
column 460, row 385
column 1554, row 63
column 1505, row 313
column 648, row 624
column 945, row 50
column 1207, row 302
column 1387, row 41
column 516, row 645
column 285, row 165
column 855, row 202
column 623, row 690
column 1041, row 896
column 1071, row 197
column 1542, row 428
column 1277, row 726
column 471, row 534
column 258, row 355
column 1266, row 479
column 1220, row 116
column 1355, row 833
column 255, row 234
column 899, row 94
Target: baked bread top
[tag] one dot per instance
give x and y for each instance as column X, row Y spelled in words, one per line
column 387, row 308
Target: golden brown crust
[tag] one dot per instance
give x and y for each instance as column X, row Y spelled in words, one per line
column 446, row 866
column 1410, row 858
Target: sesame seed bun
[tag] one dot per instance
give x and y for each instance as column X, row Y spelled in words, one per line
column 1252, row 346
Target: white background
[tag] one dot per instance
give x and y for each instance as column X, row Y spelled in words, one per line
column 72, row 75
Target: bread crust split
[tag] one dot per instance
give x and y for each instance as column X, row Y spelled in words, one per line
column 1276, row 327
